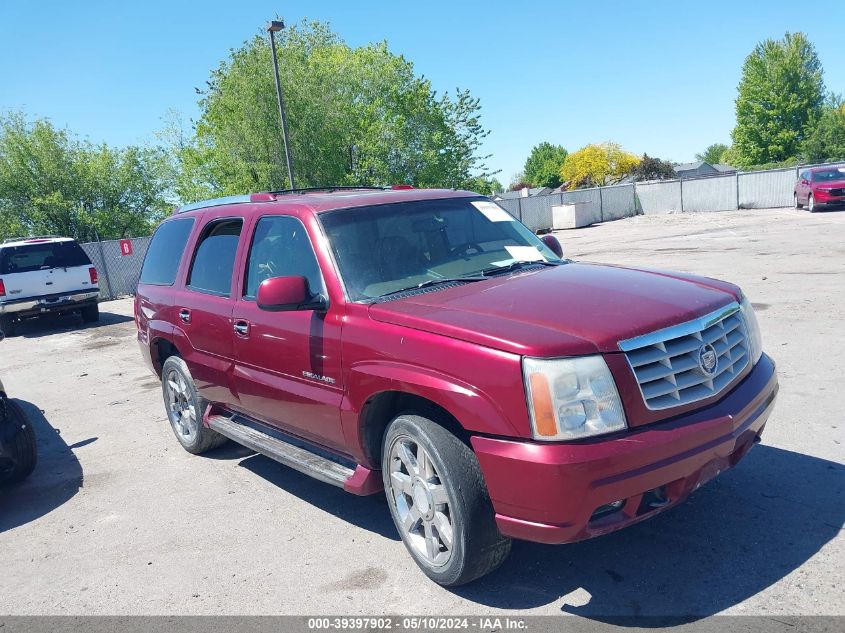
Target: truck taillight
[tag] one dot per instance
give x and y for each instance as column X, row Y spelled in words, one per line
column 92, row 272
column 2, row 289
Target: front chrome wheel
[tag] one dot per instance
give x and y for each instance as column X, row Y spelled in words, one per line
column 181, row 409
column 422, row 501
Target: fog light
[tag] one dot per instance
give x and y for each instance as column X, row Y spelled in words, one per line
column 606, row 509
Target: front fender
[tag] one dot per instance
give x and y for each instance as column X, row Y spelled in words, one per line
column 475, row 410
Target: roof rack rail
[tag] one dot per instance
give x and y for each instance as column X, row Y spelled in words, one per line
column 30, row 237
column 329, row 189
column 212, row 202
column 263, row 196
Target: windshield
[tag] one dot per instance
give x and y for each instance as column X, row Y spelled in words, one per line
column 41, row 256
column 825, row 175
column 384, row 248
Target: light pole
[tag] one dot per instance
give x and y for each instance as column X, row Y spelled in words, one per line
column 272, row 27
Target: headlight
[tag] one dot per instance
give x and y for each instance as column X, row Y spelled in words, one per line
column 570, row 398
column 754, row 338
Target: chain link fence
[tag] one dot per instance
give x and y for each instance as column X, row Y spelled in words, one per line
column 118, row 270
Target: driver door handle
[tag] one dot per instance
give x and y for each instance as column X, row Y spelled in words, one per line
column 185, row 315
column 241, row 328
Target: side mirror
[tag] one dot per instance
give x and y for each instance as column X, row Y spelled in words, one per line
column 285, row 294
column 554, row 245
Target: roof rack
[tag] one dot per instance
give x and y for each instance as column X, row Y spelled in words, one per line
column 265, row 196
column 31, row 237
column 329, row 189
column 212, row 202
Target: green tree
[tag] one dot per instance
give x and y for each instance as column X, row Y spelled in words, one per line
column 485, row 186
column 597, row 165
column 713, row 154
column 355, row 115
column 52, row 183
column 826, row 141
column 780, row 97
column 542, row 167
column 650, row 168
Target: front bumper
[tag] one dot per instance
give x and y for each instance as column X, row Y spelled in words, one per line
column 824, row 197
column 550, row 493
column 61, row 302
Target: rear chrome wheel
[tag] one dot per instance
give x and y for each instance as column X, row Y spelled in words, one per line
column 422, row 502
column 185, row 408
column 181, row 409
column 439, row 503
column 811, row 204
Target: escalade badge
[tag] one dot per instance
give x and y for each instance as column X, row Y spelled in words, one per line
column 708, row 360
column 326, row 379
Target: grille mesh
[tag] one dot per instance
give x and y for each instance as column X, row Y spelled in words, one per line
column 667, row 363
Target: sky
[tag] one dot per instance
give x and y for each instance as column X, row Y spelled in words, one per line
column 656, row 77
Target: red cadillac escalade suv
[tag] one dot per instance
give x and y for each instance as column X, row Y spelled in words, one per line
column 425, row 343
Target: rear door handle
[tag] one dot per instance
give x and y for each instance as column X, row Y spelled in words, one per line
column 185, row 315
column 241, row 328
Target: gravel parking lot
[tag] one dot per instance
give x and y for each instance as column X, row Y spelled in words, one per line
column 118, row 519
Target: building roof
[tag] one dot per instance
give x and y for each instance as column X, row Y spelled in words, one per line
column 691, row 166
column 702, row 166
column 532, row 191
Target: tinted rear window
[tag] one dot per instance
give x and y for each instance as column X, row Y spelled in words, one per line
column 165, row 252
column 41, row 256
column 214, row 260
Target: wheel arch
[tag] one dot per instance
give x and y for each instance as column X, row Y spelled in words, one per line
column 382, row 390
column 383, row 407
column 161, row 349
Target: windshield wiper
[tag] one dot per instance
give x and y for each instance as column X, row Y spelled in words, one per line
column 426, row 284
column 517, row 265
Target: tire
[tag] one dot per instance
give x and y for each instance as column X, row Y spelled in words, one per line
column 23, row 448
column 91, row 314
column 7, row 325
column 811, row 204
column 185, row 407
column 441, row 497
column 798, row 205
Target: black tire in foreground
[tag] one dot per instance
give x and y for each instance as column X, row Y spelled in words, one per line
column 7, row 325
column 439, row 502
column 185, row 408
column 91, row 314
column 22, row 447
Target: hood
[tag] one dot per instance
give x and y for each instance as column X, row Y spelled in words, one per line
column 573, row 309
column 839, row 183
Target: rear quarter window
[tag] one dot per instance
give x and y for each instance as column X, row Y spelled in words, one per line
column 214, row 259
column 165, row 252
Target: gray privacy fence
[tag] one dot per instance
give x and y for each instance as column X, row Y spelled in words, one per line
column 742, row 190
column 118, row 272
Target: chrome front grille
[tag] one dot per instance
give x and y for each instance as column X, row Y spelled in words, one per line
column 672, row 366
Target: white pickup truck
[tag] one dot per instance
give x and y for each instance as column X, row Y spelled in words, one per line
column 45, row 275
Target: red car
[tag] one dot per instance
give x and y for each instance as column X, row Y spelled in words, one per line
column 425, row 343
column 820, row 186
